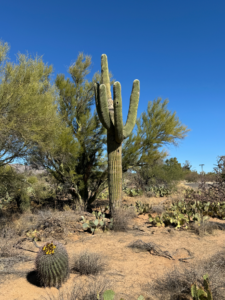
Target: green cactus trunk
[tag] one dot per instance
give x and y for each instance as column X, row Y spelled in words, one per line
column 115, row 171
column 110, row 115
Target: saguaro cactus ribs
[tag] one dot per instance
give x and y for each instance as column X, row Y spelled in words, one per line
column 110, row 115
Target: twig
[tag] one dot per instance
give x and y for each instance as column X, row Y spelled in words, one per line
column 155, row 250
column 17, row 245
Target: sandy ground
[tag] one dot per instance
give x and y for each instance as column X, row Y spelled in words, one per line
column 128, row 271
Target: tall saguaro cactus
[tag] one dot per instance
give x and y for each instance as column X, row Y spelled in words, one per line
column 110, row 115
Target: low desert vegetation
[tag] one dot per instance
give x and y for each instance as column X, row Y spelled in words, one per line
column 88, row 263
column 190, row 213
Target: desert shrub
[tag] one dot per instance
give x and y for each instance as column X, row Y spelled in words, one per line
column 88, row 264
column 40, row 192
column 191, row 176
column 22, row 200
column 32, row 179
column 205, row 227
column 167, row 174
column 148, row 176
column 210, row 176
column 173, row 170
column 220, row 169
column 10, row 183
column 215, row 193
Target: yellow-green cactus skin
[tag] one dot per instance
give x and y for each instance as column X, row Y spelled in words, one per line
column 110, row 115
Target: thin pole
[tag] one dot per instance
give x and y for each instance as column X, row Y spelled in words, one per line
column 202, row 167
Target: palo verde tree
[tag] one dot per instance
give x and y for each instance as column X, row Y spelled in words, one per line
column 110, row 115
column 27, row 109
column 155, row 128
column 28, row 114
column 79, row 167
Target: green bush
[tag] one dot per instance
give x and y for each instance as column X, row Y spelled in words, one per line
column 162, row 174
column 10, row 184
column 23, row 200
column 32, row 179
column 173, row 170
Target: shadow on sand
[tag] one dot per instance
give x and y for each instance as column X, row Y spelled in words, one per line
column 32, row 277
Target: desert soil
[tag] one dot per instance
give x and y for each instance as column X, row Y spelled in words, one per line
column 128, row 271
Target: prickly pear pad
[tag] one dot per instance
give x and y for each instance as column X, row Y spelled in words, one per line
column 52, row 264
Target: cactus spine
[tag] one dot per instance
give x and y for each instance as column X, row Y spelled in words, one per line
column 52, row 264
column 110, row 115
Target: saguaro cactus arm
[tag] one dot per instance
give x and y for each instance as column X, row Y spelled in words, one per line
column 102, row 105
column 105, row 75
column 118, row 116
column 132, row 114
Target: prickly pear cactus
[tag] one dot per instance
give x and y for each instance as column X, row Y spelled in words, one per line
column 52, row 264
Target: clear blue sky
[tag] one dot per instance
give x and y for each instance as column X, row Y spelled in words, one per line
column 175, row 48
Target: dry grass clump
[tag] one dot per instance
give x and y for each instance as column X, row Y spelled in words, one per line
column 45, row 213
column 27, row 221
column 205, row 227
column 88, row 264
column 158, row 209
column 176, row 284
column 6, row 248
column 122, row 218
column 86, row 290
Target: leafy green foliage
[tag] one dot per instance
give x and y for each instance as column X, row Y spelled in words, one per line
column 160, row 178
column 173, row 169
column 75, row 158
column 104, row 194
column 23, row 200
column 155, row 128
column 28, row 113
column 10, row 184
column 32, row 179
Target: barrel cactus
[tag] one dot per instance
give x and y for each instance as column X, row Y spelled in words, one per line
column 52, row 264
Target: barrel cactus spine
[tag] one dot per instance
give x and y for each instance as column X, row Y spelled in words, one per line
column 110, row 115
column 52, row 264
